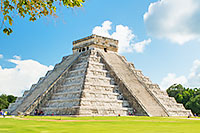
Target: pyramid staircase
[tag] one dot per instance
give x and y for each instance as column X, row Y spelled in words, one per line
column 168, row 104
column 87, row 89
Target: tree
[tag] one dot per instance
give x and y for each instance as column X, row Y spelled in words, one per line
column 6, row 100
column 33, row 9
column 3, row 102
column 194, row 104
column 11, row 98
column 190, row 98
column 174, row 90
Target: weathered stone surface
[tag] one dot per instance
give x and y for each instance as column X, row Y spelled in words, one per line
column 42, row 86
column 97, row 81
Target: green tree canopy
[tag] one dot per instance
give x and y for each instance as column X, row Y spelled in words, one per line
column 190, row 98
column 33, row 9
column 6, row 100
column 194, row 104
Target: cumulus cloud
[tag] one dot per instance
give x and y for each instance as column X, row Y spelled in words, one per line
column 125, row 36
column 139, row 47
column 171, row 79
column 17, row 57
column 194, row 76
column 192, row 80
column 1, row 56
column 176, row 20
column 103, row 30
column 19, row 78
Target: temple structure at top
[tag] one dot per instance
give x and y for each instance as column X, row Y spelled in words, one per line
column 95, row 41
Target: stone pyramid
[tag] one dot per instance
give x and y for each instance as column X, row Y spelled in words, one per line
column 96, row 80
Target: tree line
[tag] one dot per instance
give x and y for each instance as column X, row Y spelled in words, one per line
column 190, row 98
column 5, row 100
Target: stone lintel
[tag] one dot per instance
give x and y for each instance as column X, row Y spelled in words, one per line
column 95, row 41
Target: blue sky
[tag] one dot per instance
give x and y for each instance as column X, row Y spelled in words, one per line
column 170, row 55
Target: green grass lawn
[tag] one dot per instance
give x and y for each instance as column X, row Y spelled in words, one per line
column 99, row 124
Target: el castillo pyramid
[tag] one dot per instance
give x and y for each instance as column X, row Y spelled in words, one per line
column 96, row 80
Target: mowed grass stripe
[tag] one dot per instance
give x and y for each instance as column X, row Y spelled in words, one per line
column 114, row 124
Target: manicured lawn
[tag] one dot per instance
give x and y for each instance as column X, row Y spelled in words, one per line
column 99, row 124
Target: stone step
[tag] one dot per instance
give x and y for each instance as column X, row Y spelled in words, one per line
column 95, row 112
column 84, row 102
column 153, row 86
column 99, row 87
column 98, row 79
column 96, row 65
column 164, row 98
column 174, row 106
column 84, row 111
column 70, row 87
column 86, row 91
column 100, row 92
column 76, row 72
column 94, row 59
column 61, row 110
column 125, row 103
column 89, row 78
column 144, row 79
column 101, row 95
column 102, row 108
column 79, row 65
column 83, row 59
column 87, row 57
column 159, row 93
column 100, row 100
column 72, row 84
column 86, row 99
column 63, row 102
column 179, row 113
column 137, row 72
column 97, row 72
column 66, row 95
column 74, row 79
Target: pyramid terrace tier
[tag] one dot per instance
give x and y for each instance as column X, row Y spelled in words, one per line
column 86, row 111
column 97, row 102
column 86, row 93
column 70, row 87
column 87, row 86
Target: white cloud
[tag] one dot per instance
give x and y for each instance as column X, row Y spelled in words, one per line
column 139, row 47
column 1, row 56
column 26, row 72
column 103, row 30
column 194, row 76
column 171, row 79
column 192, row 80
column 17, row 57
column 176, row 20
column 124, row 35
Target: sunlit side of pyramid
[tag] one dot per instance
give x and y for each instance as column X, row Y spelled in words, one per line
column 96, row 80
